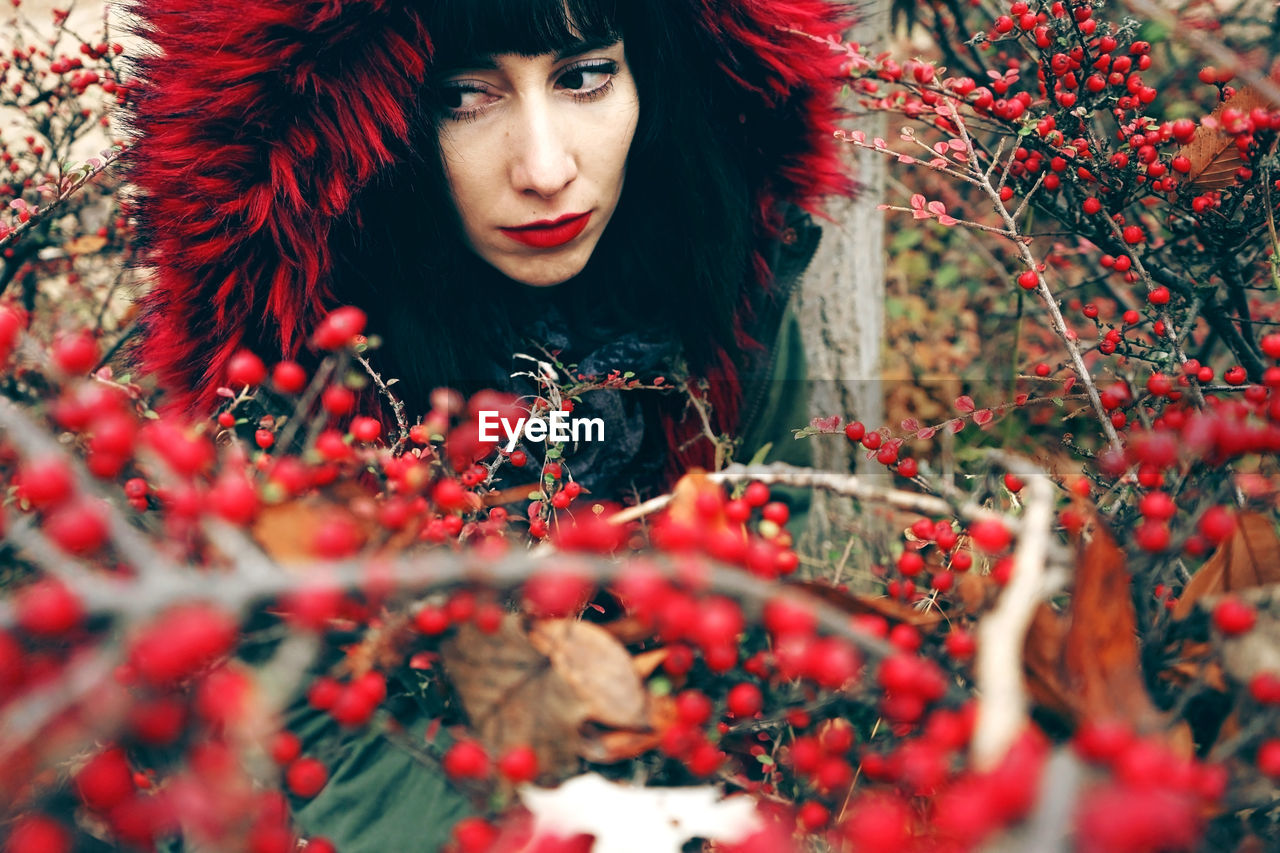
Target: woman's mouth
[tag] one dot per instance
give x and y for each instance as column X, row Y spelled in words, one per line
column 550, row 233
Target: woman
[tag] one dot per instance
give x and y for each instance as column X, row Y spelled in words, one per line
column 618, row 181
column 296, row 156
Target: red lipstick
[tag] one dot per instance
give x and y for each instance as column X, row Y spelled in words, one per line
column 549, row 233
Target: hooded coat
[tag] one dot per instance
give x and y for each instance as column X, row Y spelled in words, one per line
column 262, row 128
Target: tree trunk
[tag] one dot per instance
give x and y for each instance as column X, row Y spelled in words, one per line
column 841, row 311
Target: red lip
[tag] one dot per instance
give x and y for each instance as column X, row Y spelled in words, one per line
column 549, row 233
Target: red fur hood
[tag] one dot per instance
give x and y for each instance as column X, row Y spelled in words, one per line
column 258, row 124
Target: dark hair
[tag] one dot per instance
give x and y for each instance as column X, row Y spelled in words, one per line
column 446, row 315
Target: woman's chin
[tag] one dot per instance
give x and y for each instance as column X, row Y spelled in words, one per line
column 541, row 272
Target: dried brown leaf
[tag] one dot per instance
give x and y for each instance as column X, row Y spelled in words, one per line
column 597, row 668
column 513, row 695
column 684, row 499
column 86, row 244
column 284, row 531
column 973, row 591
column 561, row 687
column 1042, row 661
column 1212, row 151
column 1101, row 656
column 1250, row 558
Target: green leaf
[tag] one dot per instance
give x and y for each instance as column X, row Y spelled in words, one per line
column 766, row 760
column 761, row 454
column 660, row 686
column 906, row 239
column 630, row 374
column 553, row 453
column 534, row 496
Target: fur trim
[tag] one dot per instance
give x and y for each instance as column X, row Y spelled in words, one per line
column 257, row 124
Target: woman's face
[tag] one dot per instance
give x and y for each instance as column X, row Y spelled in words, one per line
column 535, row 152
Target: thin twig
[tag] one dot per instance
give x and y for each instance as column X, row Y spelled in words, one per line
column 397, row 405
column 1002, row 691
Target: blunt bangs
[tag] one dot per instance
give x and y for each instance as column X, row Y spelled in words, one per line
column 480, row 28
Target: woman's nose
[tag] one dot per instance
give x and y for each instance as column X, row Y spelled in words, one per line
column 543, row 160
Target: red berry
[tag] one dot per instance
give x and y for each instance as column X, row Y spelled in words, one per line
column 76, row 353
column 338, row 400
column 338, row 328
column 777, row 512
column 245, row 368
column 1157, row 506
column 519, row 764
column 744, row 700
column 1269, row 758
column 432, row 620
column 1232, row 616
column 466, row 759
column 1217, row 524
column 1134, row 234
column 910, row 563
column 1158, row 296
column 1152, row 536
column 285, row 747
column 990, row 535
column 855, row 430
column 38, row 834
column 234, row 498
column 1235, row 376
column 1271, row 345
column 1028, row 280
column 306, row 776
column 105, row 781
column 47, row 608
column 1092, row 205
column 1265, row 688
column 960, row 644
column 366, row 429
column 46, row 482
column 289, row 377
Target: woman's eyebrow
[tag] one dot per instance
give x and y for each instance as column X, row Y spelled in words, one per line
column 487, row 62
column 586, row 45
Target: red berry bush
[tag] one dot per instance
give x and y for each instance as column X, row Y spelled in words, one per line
column 1076, row 642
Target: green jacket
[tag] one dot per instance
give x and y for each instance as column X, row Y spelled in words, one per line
column 381, row 797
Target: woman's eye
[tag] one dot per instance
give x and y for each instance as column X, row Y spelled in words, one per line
column 585, row 79
column 461, row 97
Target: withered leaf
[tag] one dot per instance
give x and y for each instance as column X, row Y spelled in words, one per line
column 544, row 687
column 86, row 244
column 1042, row 661
column 1212, row 151
column 598, row 669
column 1249, row 558
column 1101, row 655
